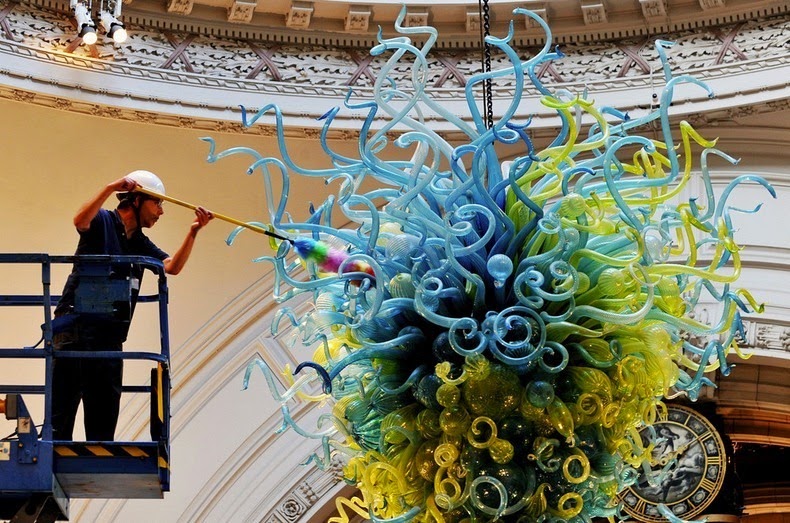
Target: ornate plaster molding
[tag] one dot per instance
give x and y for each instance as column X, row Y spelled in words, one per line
column 304, row 496
column 47, row 33
column 765, row 335
column 241, row 12
column 299, row 15
column 211, row 123
column 198, row 81
column 323, row 21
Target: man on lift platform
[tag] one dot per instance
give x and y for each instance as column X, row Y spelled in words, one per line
column 98, row 382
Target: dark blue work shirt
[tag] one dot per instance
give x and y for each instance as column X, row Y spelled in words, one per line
column 107, row 235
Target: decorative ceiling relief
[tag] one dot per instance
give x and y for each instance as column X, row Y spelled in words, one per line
column 182, row 7
column 653, row 10
column 358, row 18
column 594, row 13
column 324, row 65
column 241, row 11
column 205, row 78
column 299, row 15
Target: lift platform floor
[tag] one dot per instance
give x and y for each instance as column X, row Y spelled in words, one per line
column 110, row 469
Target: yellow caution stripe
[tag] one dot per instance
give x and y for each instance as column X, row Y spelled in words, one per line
column 65, row 451
column 82, row 450
column 136, row 452
column 98, row 450
column 160, row 400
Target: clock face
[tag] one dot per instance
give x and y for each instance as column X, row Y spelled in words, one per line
column 692, row 453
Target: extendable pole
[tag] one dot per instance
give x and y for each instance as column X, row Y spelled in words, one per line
column 223, row 217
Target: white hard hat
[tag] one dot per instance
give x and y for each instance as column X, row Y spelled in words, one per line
column 148, row 180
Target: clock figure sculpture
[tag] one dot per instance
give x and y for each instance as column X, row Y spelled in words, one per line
column 687, row 468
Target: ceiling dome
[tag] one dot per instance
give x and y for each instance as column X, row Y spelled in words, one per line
column 345, row 22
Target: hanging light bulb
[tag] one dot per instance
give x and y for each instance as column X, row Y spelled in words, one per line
column 89, row 36
column 85, row 25
column 113, row 27
column 109, row 15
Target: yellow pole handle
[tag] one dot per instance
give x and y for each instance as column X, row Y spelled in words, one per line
column 188, row 205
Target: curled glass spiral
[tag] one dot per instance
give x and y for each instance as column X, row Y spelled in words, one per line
column 492, row 336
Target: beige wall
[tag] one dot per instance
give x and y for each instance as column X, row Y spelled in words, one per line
column 54, row 160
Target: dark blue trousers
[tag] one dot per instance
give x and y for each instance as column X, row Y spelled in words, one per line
column 95, row 382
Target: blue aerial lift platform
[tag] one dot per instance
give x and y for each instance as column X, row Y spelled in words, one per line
column 38, row 476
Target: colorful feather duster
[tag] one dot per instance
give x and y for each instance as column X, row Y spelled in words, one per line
column 327, row 258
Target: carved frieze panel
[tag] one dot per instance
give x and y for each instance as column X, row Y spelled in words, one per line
column 653, row 10
column 358, row 18
column 763, row 334
column 299, row 15
column 734, row 113
column 174, row 58
column 768, row 336
column 221, row 58
column 241, row 12
column 154, row 49
column 711, row 4
column 182, row 7
column 327, row 66
column 304, row 495
column 472, row 20
column 322, row 67
column 594, row 13
column 758, row 332
column 415, row 18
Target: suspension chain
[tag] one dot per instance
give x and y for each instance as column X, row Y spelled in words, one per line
column 485, row 30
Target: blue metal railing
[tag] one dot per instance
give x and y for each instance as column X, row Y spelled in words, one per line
column 46, row 300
